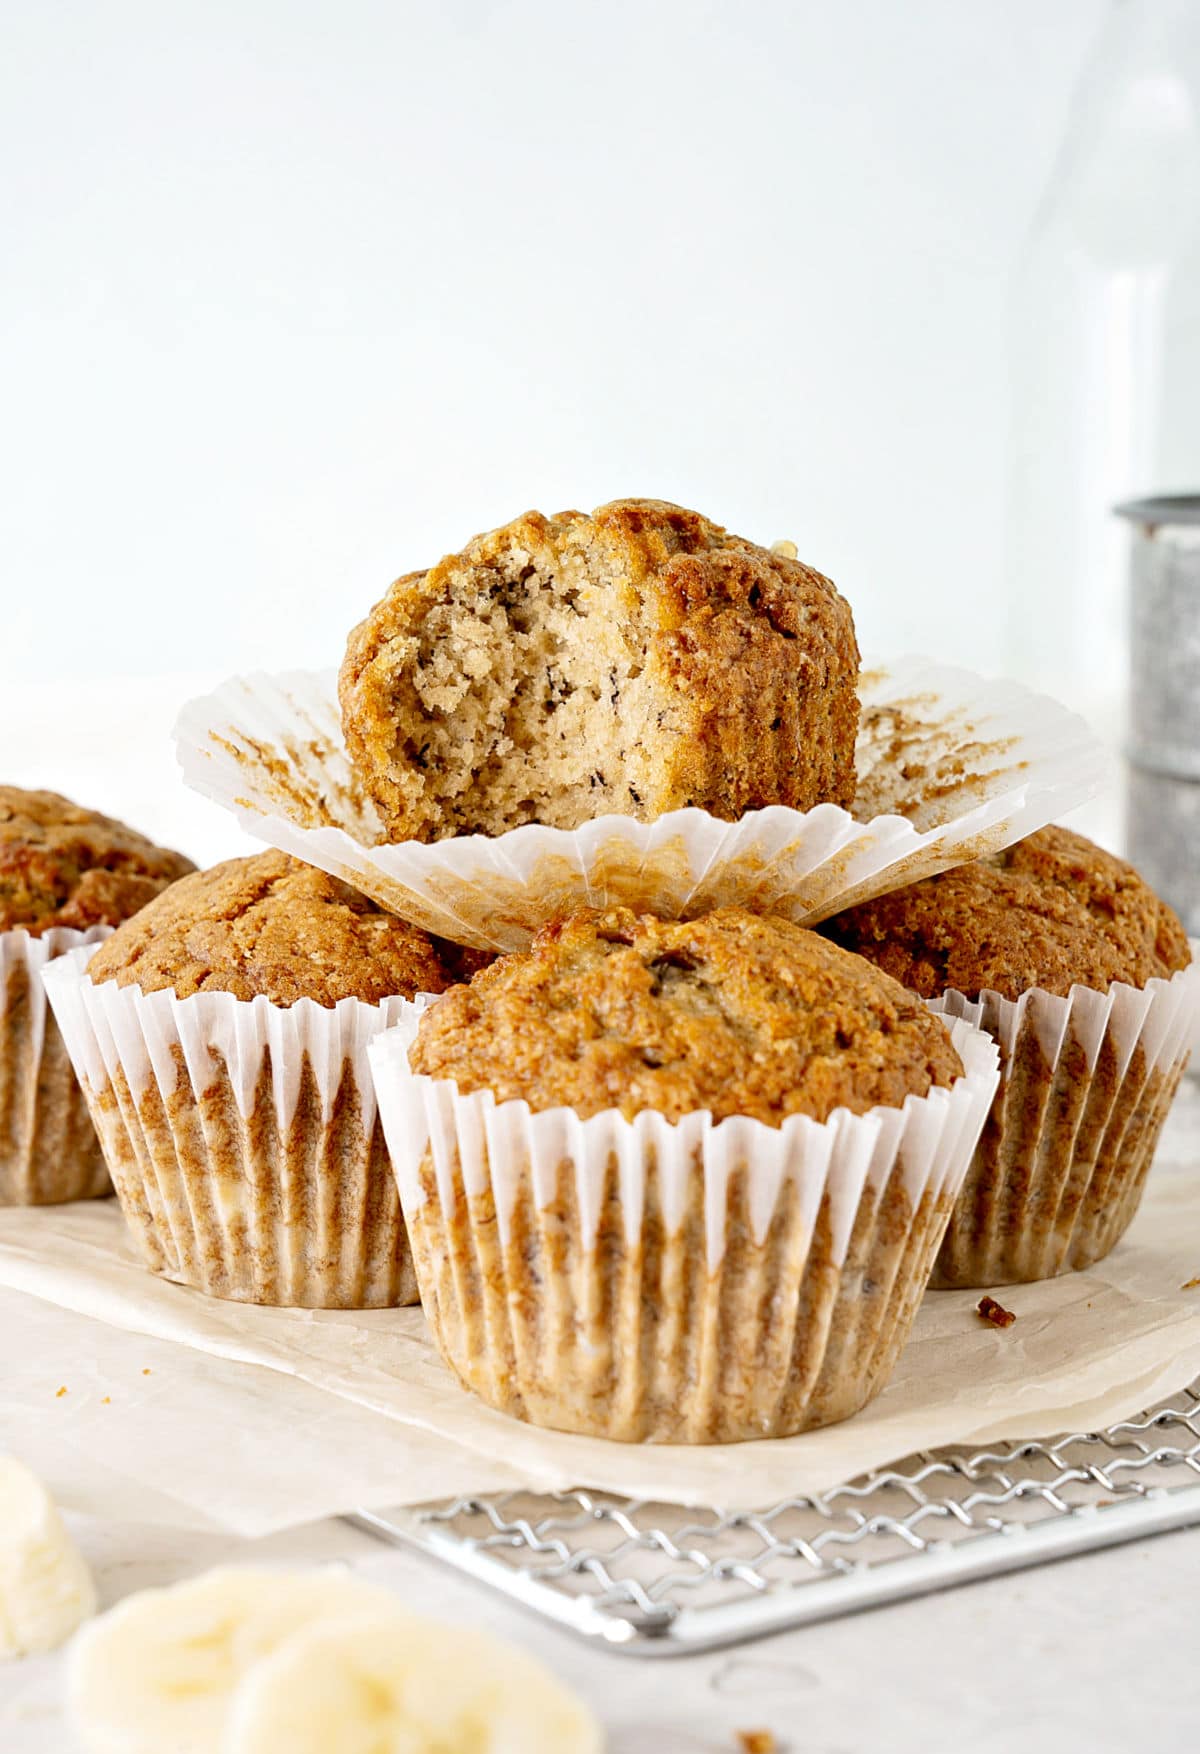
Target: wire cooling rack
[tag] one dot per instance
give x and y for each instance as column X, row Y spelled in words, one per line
column 656, row 1579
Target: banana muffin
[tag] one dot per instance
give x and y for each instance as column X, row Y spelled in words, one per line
column 220, row 1039
column 1083, row 975
column 273, row 927
column 678, row 1181
column 66, row 875
column 62, row 865
column 633, row 661
column 1054, row 911
column 735, row 1013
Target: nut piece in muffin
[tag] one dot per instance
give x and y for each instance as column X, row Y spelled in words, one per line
column 1053, row 911
column 64, row 872
column 633, row 661
column 735, row 1013
column 61, row 865
column 274, row 926
column 227, row 1075
column 1040, row 945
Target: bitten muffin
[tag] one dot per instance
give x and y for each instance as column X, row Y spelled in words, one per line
column 1067, row 956
column 220, row 1038
column 634, row 661
column 684, row 1181
column 66, row 875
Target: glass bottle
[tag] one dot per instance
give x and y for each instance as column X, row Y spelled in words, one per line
column 1105, row 353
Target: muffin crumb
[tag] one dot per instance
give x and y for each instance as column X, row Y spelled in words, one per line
column 995, row 1313
column 756, row 1742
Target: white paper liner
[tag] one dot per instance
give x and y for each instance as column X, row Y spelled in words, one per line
column 500, row 1145
column 109, row 1027
column 50, row 1151
column 252, row 1211
column 951, row 766
column 765, row 1280
column 1060, row 1169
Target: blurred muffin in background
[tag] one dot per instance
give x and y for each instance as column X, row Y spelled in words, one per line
column 67, row 877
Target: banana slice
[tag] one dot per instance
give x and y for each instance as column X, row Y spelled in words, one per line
column 46, row 1588
column 156, row 1674
column 395, row 1684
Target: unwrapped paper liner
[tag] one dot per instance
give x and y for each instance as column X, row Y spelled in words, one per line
column 689, row 1282
column 951, row 767
column 1086, row 1082
column 49, row 1151
column 242, row 1138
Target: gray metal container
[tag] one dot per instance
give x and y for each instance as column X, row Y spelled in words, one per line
column 1163, row 783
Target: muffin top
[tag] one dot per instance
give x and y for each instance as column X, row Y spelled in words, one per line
column 61, row 865
column 1053, row 911
column 274, row 926
column 736, row 1013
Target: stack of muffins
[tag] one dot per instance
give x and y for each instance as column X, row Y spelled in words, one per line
column 678, row 1181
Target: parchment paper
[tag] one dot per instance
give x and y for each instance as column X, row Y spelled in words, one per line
column 150, row 1432
column 380, row 1420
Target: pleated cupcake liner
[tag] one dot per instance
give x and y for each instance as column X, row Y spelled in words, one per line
column 49, row 1152
column 951, row 766
column 1085, row 1085
column 665, row 1282
column 243, row 1139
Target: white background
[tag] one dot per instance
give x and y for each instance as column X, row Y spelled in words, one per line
column 298, row 296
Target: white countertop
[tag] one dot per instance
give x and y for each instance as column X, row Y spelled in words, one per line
column 1095, row 1654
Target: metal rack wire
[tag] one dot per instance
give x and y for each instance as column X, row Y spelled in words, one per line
column 652, row 1579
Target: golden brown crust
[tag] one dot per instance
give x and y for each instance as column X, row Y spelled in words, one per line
column 1053, row 911
column 736, row 1013
column 61, row 865
column 274, row 926
column 721, row 675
